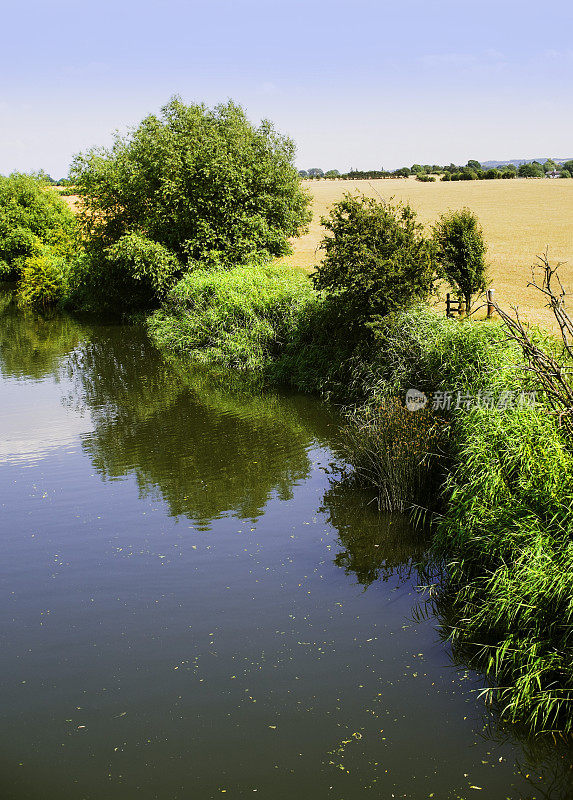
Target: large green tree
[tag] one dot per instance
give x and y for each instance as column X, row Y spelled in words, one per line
column 204, row 184
column 532, row 170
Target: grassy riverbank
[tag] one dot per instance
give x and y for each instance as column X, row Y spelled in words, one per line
column 497, row 473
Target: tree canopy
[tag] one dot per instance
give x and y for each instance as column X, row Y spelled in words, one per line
column 460, row 249
column 190, row 187
column 377, row 258
column 197, row 181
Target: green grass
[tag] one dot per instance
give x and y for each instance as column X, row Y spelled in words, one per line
column 507, row 535
column 239, row 318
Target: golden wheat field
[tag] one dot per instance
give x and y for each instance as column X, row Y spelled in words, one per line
column 520, row 218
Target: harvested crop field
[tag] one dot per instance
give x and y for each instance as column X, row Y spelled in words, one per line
column 520, row 219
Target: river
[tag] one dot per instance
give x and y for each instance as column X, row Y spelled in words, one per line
column 193, row 608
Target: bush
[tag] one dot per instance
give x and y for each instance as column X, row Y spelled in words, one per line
column 196, row 181
column 425, row 178
column 461, row 248
column 43, row 282
column 240, row 317
column 31, row 215
column 377, row 258
column 133, row 274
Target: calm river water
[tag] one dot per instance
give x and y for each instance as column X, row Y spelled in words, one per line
column 191, row 609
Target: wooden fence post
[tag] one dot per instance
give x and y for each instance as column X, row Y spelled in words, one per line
column 490, row 308
column 448, row 306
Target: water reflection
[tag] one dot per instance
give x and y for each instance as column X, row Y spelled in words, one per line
column 209, row 447
column 33, row 345
column 375, row 546
column 204, row 446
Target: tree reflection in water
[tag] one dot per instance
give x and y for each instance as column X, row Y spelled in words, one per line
column 207, row 443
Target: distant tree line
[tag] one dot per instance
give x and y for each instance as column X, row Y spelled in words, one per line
column 472, row 171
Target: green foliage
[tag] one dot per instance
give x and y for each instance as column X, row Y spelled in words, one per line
column 196, row 181
column 135, row 273
column 323, row 352
column 506, row 530
column 533, row 170
column 239, row 317
column 43, row 282
column 565, row 173
column 425, row 178
column 377, row 258
column 461, row 252
column 31, row 215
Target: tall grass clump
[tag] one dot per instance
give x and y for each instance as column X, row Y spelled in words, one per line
column 240, row 317
column 399, row 452
column 501, row 473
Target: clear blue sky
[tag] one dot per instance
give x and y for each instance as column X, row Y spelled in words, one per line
column 361, row 84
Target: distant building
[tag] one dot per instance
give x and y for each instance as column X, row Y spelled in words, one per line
column 552, row 174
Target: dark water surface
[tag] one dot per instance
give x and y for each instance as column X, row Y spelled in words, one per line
column 190, row 609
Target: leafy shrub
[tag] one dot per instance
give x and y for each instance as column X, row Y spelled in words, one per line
column 377, row 259
column 43, row 282
column 414, row 348
column 31, row 215
column 323, row 352
column 240, row 317
column 425, row 178
column 134, row 273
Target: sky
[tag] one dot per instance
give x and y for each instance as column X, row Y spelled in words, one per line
column 362, row 84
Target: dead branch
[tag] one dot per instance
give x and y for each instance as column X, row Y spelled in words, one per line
column 551, row 371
